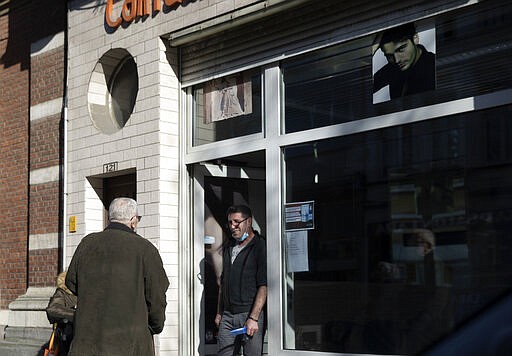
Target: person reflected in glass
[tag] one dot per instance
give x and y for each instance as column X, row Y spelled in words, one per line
column 434, row 316
column 425, row 241
column 410, row 67
column 421, row 308
column 243, row 288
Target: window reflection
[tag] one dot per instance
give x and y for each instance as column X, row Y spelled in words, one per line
column 410, row 237
column 334, row 85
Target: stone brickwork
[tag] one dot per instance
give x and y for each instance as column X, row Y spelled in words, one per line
column 44, row 142
column 47, row 74
column 46, row 93
column 14, row 138
column 32, row 70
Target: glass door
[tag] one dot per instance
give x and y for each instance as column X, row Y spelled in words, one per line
column 216, row 187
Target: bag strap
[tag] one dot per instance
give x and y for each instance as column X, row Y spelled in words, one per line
column 52, row 338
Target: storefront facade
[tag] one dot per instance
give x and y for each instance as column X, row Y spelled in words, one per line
column 385, row 214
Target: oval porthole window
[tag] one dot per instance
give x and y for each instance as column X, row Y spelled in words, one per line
column 113, row 89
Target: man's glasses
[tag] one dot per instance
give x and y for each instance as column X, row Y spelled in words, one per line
column 138, row 217
column 236, row 223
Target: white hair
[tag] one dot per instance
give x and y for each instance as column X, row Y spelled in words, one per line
column 122, row 209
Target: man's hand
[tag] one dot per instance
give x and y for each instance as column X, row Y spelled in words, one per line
column 218, row 318
column 252, row 327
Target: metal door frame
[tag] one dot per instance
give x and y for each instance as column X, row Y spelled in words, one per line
column 199, row 172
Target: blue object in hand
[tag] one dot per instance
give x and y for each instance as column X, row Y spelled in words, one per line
column 239, row 331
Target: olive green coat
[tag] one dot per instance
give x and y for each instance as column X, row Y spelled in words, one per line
column 120, row 282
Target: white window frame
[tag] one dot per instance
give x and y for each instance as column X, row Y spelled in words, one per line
column 272, row 140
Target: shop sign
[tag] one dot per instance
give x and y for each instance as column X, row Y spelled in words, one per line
column 133, row 9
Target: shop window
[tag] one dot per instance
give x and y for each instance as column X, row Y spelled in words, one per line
column 395, row 237
column 471, row 50
column 113, row 89
column 227, row 107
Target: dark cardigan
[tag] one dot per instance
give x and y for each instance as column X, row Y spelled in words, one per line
column 241, row 280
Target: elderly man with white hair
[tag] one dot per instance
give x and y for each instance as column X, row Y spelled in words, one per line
column 120, row 282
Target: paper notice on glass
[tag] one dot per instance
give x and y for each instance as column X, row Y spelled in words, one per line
column 299, row 215
column 297, row 251
column 227, row 97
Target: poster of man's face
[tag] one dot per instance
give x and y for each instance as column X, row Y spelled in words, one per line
column 403, row 61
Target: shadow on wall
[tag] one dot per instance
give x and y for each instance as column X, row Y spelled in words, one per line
column 28, row 23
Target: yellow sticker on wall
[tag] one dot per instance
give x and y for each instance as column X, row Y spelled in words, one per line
column 72, row 223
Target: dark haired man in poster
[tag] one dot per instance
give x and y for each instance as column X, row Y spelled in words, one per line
column 410, row 68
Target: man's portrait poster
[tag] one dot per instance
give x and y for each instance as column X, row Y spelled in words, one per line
column 403, row 61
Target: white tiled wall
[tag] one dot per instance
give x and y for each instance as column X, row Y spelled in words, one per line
column 150, row 140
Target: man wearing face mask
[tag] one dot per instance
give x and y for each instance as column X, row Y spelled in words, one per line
column 243, row 289
column 120, row 282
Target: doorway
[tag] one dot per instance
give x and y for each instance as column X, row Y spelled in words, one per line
column 111, row 186
column 216, row 187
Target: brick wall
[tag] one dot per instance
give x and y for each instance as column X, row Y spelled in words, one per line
column 14, row 124
column 31, row 211
column 42, row 267
column 47, row 76
column 46, row 86
column 44, row 209
column 44, row 140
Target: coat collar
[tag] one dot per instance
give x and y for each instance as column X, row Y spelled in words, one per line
column 119, row 226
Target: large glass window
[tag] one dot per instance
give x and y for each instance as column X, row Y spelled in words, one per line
column 409, row 235
column 471, row 49
column 227, row 107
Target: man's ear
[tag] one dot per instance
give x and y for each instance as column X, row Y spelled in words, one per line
column 416, row 39
column 133, row 223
